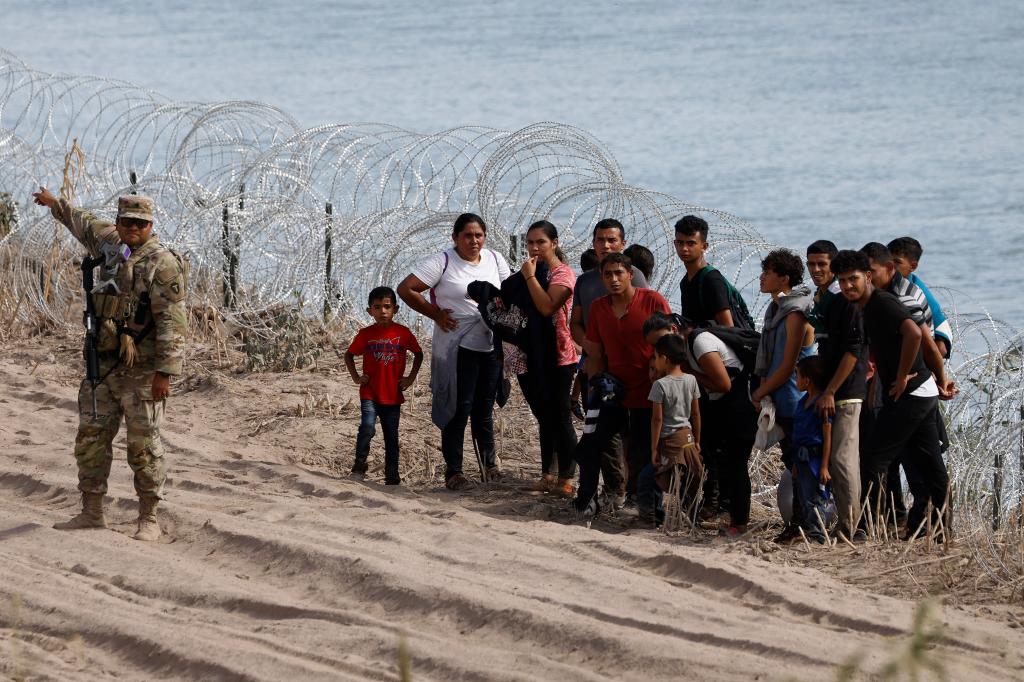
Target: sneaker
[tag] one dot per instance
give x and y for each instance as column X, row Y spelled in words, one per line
column 563, row 488
column 618, row 501
column 860, row 536
column 458, row 482
column 629, row 502
column 709, row 513
column 589, row 511
column 647, row 518
column 392, row 481
column 733, row 531
column 544, row 484
column 789, row 535
column 359, row 469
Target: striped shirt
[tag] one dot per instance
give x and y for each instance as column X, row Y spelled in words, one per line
column 911, row 296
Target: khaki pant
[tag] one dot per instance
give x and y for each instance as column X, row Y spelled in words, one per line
column 125, row 394
column 844, row 465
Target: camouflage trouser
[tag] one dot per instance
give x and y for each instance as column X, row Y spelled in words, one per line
column 126, row 393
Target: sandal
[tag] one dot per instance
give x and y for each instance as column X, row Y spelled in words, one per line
column 457, row 482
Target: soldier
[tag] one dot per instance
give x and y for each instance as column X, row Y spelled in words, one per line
column 141, row 339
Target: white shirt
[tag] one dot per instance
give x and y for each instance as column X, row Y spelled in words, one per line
column 706, row 342
column 449, row 284
column 929, row 389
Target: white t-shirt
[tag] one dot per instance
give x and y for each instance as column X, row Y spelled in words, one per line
column 929, row 389
column 449, row 286
column 706, row 342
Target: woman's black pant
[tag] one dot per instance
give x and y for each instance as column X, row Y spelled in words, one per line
column 728, row 427
column 477, row 378
column 548, row 398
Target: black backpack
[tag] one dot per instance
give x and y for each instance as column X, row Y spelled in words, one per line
column 737, row 306
column 742, row 342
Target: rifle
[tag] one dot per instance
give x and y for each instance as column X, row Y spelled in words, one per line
column 89, row 352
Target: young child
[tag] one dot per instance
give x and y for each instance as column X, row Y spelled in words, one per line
column 810, row 448
column 383, row 346
column 675, row 429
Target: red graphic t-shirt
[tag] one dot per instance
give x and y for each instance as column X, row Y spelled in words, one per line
column 383, row 350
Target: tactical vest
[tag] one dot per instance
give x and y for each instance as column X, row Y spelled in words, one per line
column 129, row 310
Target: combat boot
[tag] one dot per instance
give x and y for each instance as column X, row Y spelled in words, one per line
column 149, row 527
column 90, row 517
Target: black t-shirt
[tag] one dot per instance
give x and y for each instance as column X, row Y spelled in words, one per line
column 883, row 316
column 840, row 330
column 700, row 303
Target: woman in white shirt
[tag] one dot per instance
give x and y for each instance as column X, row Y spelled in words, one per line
column 464, row 367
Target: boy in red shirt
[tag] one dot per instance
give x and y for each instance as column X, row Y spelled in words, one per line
column 383, row 346
column 615, row 327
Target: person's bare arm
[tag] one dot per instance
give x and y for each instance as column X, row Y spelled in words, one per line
column 724, row 317
column 595, row 363
column 909, row 348
column 695, row 421
column 350, row 364
column 411, row 291
column 547, row 302
column 826, row 452
column 579, row 332
column 417, row 360
column 713, row 375
column 827, row 401
column 935, row 361
column 795, row 327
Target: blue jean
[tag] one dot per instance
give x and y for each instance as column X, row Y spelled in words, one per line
column 648, row 494
column 389, row 416
column 812, row 504
column 477, row 377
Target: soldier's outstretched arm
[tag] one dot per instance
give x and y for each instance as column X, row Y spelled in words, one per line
column 167, row 305
column 90, row 231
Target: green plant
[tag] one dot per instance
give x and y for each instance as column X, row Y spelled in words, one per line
column 286, row 344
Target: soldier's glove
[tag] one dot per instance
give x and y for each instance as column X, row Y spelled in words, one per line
column 128, row 350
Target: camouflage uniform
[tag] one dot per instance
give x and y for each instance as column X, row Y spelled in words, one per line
column 152, row 271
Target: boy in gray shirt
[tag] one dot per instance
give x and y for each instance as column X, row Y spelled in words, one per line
column 675, row 430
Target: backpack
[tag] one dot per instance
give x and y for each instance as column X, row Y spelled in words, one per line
column 737, row 306
column 742, row 342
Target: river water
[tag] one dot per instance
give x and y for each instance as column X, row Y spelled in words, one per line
column 850, row 121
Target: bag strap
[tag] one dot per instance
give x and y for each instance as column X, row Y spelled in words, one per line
column 444, row 269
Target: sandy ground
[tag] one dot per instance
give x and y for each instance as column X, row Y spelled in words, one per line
column 276, row 566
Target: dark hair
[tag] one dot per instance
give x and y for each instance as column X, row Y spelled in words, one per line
column 609, row 223
column 850, row 261
column 616, row 258
column 672, row 347
column 877, row 252
column 657, row 322
column 908, row 247
column 813, row 367
column 691, row 224
column 823, row 246
column 465, row 220
column 642, row 258
column 380, row 293
column 551, row 232
column 785, row 263
column 588, row 260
